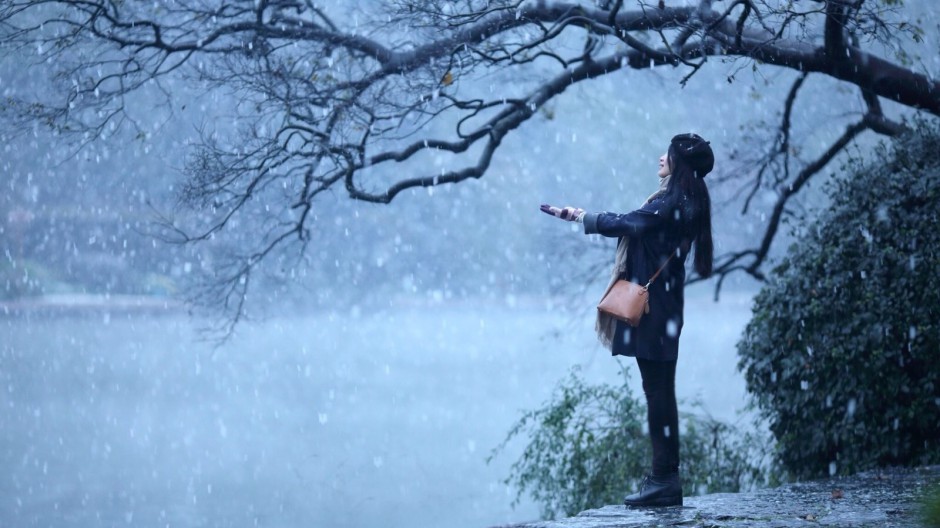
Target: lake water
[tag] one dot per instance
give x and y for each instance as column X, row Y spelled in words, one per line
column 324, row 420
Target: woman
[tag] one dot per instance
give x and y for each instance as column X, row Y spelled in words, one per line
column 660, row 233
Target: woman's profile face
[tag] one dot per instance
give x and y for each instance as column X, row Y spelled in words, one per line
column 664, row 168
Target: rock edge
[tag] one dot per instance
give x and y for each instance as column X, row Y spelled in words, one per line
column 888, row 497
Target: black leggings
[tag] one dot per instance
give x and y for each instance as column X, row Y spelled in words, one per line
column 662, row 413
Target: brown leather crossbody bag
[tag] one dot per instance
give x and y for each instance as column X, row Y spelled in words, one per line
column 627, row 301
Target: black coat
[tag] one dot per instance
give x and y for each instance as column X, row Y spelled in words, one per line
column 654, row 232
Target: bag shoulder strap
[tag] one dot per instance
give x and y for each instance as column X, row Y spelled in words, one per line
column 661, row 268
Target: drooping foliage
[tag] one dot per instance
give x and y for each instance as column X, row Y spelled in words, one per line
column 842, row 355
column 587, row 447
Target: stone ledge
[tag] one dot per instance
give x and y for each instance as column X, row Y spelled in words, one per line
column 889, row 498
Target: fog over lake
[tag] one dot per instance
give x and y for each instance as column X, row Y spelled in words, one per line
column 329, row 419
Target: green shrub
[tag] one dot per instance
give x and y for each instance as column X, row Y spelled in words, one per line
column 588, row 447
column 932, row 508
column 841, row 354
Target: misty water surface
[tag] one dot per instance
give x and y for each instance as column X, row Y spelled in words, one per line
column 332, row 420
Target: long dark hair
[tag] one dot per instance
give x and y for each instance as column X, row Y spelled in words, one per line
column 688, row 193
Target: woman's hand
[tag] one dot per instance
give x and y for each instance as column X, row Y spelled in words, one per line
column 571, row 214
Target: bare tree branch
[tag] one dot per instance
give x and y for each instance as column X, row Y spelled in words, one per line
column 325, row 102
column 872, row 120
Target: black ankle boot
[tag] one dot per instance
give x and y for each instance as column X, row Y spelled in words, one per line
column 657, row 491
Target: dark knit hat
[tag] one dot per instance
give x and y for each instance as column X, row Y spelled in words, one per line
column 695, row 152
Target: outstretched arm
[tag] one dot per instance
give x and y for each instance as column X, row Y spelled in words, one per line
column 610, row 224
column 635, row 223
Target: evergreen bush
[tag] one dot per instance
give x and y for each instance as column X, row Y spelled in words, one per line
column 842, row 355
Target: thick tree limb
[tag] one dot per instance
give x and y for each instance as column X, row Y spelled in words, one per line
column 332, row 100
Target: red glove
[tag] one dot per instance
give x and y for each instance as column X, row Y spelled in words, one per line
column 571, row 214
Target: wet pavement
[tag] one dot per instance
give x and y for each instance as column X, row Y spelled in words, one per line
column 885, row 498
